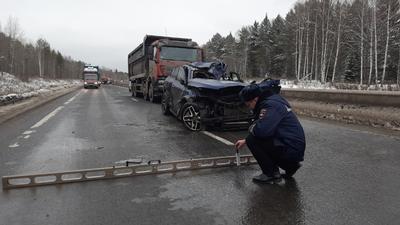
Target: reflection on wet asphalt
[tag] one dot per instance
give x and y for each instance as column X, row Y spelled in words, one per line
column 347, row 177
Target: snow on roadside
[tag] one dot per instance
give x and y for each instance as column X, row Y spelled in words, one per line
column 313, row 84
column 12, row 88
column 317, row 85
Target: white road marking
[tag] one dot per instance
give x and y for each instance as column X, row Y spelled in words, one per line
column 14, row 145
column 120, row 86
column 71, row 99
column 29, row 132
column 27, row 136
column 134, row 99
column 223, row 140
column 46, row 118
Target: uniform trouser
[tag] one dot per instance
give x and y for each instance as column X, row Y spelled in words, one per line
column 269, row 156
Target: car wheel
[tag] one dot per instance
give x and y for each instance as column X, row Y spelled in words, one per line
column 165, row 105
column 191, row 117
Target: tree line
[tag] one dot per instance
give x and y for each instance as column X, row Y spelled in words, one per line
column 27, row 60
column 326, row 40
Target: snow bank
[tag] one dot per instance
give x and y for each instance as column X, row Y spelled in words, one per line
column 312, row 84
column 13, row 89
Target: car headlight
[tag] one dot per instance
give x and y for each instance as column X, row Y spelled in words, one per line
column 85, row 82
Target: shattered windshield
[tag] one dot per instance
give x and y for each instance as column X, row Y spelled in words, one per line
column 179, row 54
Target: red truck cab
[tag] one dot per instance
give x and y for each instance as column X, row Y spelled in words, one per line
column 153, row 60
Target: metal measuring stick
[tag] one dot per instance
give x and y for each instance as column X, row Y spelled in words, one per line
column 237, row 157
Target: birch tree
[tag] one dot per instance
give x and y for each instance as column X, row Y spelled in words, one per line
column 337, row 42
column 13, row 31
column 362, row 43
column 387, row 43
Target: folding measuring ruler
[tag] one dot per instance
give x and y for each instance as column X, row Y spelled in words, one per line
column 152, row 167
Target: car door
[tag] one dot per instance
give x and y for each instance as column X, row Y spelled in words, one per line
column 168, row 84
column 178, row 88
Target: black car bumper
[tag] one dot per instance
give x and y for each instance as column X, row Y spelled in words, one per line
column 228, row 122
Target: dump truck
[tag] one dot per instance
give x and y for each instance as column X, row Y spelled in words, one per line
column 153, row 60
column 91, row 76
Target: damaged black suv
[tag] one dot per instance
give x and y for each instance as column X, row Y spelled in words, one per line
column 202, row 95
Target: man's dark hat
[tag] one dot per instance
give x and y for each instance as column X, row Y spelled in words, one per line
column 250, row 92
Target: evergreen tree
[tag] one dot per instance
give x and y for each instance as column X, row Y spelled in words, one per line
column 265, row 46
column 253, row 51
column 278, row 44
column 215, row 47
column 242, row 50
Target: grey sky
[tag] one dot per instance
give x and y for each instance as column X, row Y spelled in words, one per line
column 103, row 32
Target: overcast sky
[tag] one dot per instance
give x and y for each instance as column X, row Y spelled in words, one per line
column 103, row 32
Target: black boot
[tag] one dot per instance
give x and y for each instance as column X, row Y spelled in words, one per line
column 289, row 172
column 263, row 178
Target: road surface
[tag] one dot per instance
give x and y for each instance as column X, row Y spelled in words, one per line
column 350, row 174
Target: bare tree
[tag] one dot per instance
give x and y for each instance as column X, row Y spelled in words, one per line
column 313, row 56
column 300, row 49
column 337, row 43
column 305, row 70
column 362, row 44
column 325, row 38
column 387, row 43
column 398, row 70
column 376, row 42
column 371, row 44
column 13, row 31
column 41, row 44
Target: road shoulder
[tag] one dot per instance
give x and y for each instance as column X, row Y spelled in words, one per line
column 10, row 111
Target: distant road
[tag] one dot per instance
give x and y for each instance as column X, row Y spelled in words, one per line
column 349, row 175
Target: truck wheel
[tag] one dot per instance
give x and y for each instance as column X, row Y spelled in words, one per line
column 165, row 105
column 151, row 93
column 146, row 93
column 191, row 117
column 134, row 92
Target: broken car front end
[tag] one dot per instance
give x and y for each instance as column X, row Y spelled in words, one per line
column 221, row 108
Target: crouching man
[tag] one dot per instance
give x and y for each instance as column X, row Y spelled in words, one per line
column 276, row 138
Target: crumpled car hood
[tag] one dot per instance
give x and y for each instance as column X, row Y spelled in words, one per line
column 213, row 84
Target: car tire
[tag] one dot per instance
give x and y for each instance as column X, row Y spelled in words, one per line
column 191, row 117
column 165, row 105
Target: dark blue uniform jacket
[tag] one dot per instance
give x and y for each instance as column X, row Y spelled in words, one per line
column 275, row 119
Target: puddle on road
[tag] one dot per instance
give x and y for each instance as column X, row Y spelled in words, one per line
column 231, row 193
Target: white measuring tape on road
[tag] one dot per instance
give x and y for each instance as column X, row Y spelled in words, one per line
column 153, row 167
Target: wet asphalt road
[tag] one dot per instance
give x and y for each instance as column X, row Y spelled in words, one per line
column 350, row 176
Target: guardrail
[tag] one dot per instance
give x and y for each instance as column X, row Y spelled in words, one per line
column 371, row 98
